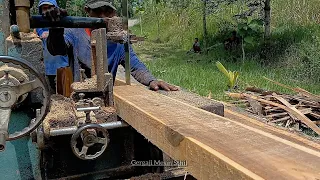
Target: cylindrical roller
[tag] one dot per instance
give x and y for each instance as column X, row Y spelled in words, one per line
column 23, row 14
column 68, row 22
column 89, row 109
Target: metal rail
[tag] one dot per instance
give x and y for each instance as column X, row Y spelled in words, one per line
column 127, row 43
column 68, row 22
column 89, row 109
column 73, row 129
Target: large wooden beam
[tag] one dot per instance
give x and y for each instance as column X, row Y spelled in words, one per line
column 214, row 147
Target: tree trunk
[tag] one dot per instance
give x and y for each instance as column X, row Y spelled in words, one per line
column 267, row 33
column 158, row 24
column 140, row 21
column 243, row 51
column 205, row 31
column 267, row 19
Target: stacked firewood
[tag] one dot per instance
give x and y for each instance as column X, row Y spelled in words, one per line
column 301, row 111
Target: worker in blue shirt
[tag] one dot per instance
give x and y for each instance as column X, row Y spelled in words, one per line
column 60, row 40
column 52, row 63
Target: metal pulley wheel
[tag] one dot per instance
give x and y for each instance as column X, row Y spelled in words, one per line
column 11, row 93
column 89, row 141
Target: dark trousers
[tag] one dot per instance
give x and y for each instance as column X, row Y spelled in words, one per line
column 52, row 82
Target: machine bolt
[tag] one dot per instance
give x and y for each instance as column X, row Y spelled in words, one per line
column 81, row 96
column 5, row 96
column 21, row 79
column 6, row 73
column 6, row 76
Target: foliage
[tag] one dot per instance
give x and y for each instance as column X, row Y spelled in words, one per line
column 76, row 7
column 294, row 44
column 250, row 33
column 231, row 75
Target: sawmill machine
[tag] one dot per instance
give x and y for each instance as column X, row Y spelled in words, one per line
column 74, row 133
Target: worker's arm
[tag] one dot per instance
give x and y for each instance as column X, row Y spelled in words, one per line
column 140, row 72
column 138, row 69
column 56, row 43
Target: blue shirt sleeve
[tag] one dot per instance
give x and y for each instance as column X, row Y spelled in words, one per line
column 40, row 31
column 138, row 70
column 70, row 37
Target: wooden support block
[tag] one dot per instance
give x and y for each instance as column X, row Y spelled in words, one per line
column 214, row 147
column 64, row 81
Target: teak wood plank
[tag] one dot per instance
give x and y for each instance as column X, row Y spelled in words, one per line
column 214, row 147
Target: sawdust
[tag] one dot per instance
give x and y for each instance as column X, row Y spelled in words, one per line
column 25, row 37
column 115, row 24
column 88, row 85
column 106, row 114
column 117, row 36
column 62, row 113
column 149, row 176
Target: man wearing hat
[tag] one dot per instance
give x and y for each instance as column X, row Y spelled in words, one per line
column 79, row 40
column 52, row 63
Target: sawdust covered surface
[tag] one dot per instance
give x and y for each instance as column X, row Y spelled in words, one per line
column 106, row 114
column 149, row 176
column 25, row 37
column 87, row 85
column 61, row 113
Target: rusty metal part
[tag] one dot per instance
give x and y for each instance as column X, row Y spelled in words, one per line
column 23, row 14
column 89, row 135
column 37, row 135
column 109, row 92
column 125, row 13
column 97, row 102
column 102, row 61
column 73, row 129
column 9, row 96
column 13, row 76
column 87, row 110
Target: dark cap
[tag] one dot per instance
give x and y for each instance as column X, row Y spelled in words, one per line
column 93, row 4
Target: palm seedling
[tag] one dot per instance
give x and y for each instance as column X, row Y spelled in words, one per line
column 231, row 75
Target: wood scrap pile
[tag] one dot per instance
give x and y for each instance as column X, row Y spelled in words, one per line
column 300, row 111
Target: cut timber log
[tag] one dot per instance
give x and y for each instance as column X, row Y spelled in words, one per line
column 214, row 147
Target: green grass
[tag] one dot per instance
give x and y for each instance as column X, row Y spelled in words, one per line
column 199, row 74
column 294, row 51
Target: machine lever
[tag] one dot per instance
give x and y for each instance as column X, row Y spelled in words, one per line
column 89, row 109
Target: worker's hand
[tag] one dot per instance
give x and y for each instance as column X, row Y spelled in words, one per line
column 44, row 35
column 156, row 85
column 55, row 14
